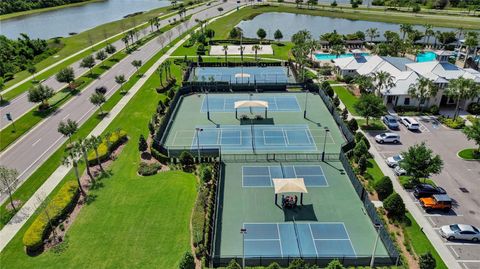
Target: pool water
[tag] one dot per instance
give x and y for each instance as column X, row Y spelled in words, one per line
column 426, row 57
column 328, row 56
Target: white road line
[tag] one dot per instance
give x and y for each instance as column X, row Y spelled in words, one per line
column 68, row 115
column 465, row 266
column 460, row 244
column 454, row 252
column 34, row 143
column 471, row 261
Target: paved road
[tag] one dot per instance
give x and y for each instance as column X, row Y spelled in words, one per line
column 20, row 104
column 36, row 146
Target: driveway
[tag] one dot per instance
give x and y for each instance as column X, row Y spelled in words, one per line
column 461, row 179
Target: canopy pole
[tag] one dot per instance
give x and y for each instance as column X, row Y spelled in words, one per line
column 265, row 113
column 276, row 198
column 236, row 113
column 301, row 198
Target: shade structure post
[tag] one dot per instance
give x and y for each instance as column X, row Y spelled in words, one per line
column 265, row 113
column 236, row 113
column 301, row 198
column 276, row 198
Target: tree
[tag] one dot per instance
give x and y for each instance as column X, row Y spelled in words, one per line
column 68, row 128
column 362, row 165
column 372, row 33
column 384, row 188
column 338, row 50
column 88, row 62
column 370, row 106
column 82, row 146
column 94, row 143
column 256, row 48
column 360, row 150
column 278, row 35
column 186, row 159
column 110, row 49
column 101, row 56
column 420, row 162
column 8, row 181
column 405, row 29
column 352, row 125
column 225, row 50
column 233, row 265
column 73, row 158
column 471, row 41
column 461, row 89
column 423, row 89
column 365, row 83
column 98, row 99
column 40, row 94
column 274, row 265
column 137, row 64
column 66, row 75
column 382, row 81
column 261, row 34
column 335, row 264
column 394, row 206
column 473, row 133
column 427, row 261
column 126, row 40
column 334, row 3
column 120, row 79
column 187, row 261
column 142, row 143
column 2, row 85
column 32, row 70
column 210, row 33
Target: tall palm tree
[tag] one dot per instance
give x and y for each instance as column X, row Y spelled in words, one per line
column 338, row 50
column 383, row 81
column 82, row 147
column 405, row 28
column 94, row 142
column 428, row 32
column 461, row 89
column 312, row 45
column 160, row 74
column 73, row 158
column 225, row 50
column 241, row 49
column 68, row 128
column 471, row 41
column 460, row 31
column 256, row 48
column 126, row 40
column 372, row 33
column 365, row 83
column 120, row 79
column 423, row 89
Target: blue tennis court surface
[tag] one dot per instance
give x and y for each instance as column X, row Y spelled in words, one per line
column 239, row 138
column 261, row 176
column 297, row 240
column 246, row 74
column 227, row 103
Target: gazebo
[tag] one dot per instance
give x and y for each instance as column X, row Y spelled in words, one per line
column 288, row 185
column 250, row 103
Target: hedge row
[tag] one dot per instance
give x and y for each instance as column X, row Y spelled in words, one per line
column 61, row 204
column 107, row 147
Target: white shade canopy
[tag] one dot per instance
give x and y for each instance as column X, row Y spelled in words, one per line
column 283, row 185
column 252, row 103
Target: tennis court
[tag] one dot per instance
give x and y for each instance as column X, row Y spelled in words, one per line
column 297, row 240
column 226, row 103
column 261, row 176
column 246, row 74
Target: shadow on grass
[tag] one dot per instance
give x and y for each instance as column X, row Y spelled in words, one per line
column 93, row 75
column 4, row 102
column 105, row 67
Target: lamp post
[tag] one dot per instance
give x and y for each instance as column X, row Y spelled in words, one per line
column 197, row 130
column 208, row 107
column 324, row 143
column 250, row 99
column 243, row 231
column 305, row 110
column 377, row 228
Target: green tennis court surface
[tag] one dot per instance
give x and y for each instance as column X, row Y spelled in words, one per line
column 261, row 176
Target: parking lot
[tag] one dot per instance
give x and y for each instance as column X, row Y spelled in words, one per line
column 461, row 180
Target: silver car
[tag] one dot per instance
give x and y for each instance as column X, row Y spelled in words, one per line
column 394, row 160
column 460, row 231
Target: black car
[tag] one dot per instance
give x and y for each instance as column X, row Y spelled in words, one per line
column 427, row 190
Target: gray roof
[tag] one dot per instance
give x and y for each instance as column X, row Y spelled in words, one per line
column 398, row 62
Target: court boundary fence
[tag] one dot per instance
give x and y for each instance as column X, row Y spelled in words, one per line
column 279, row 157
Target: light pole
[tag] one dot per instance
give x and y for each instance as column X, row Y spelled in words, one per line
column 305, row 110
column 198, row 141
column 243, row 231
column 208, row 107
column 377, row 228
column 324, row 143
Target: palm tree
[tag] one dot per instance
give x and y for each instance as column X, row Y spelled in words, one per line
column 256, row 48
column 94, row 143
column 372, row 33
column 461, row 89
column 241, row 49
column 460, row 31
column 120, row 79
column 382, row 81
column 428, row 32
column 160, row 74
column 471, row 41
column 365, row 83
column 73, row 158
column 312, row 45
column 125, row 40
column 83, row 146
column 423, row 89
column 68, row 128
column 225, row 49
column 338, row 50
column 405, row 28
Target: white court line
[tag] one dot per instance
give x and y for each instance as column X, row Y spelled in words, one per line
column 280, row 240
column 270, row 176
column 311, row 233
column 262, row 239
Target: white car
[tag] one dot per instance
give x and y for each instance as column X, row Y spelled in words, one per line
column 460, row 231
column 399, row 171
column 394, row 160
column 388, row 138
column 410, row 123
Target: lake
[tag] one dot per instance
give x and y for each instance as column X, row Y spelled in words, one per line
column 290, row 23
column 77, row 19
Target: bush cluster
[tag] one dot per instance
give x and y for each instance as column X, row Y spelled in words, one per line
column 107, row 146
column 384, row 188
column 394, row 206
column 60, row 205
column 148, row 169
column 474, row 108
column 458, row 123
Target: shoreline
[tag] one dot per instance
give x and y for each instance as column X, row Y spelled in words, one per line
column 42, row 10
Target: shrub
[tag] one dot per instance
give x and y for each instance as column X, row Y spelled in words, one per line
column 297, row 264
column 352, row 125
column 274, row 265
column 142, row 143
column 360, row 150
column 359, row 136
column 148, row 169
column 345, row 114
column 384, row 188
column 105, row 149
column 335, row 264
column 159, row 156
column 458, row 123
column 336, row 101
column 57, row 208
column 206, row 174
column 233, row 265
column 362, row 165
column 434, row 110
column 427, row 261
column 186, row 158
column 394, row 206
column 187, row 261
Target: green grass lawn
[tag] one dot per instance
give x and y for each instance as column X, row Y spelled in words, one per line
column 469, row 154
column 374, row 170
column 347, row 98
column 373, row 124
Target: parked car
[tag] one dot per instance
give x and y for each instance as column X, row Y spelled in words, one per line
column 436, row 202
column 399, row 171
column 394, row 160
column 391, row 122
column 410, row 123
column 427, row 190
column 460, row 231
column 388, row 138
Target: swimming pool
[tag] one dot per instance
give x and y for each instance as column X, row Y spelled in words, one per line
column 427, row 56
column 329, row 56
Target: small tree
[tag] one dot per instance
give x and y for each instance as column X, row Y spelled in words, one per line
column 336, row 101
column 370, row 106
column 101, row 56
column 278, row 35
column 297, row 264
column 427, row 261
column 68, row 128
column 394, row 206
column 66, row 75
column 94, row 143
column 40, row 94
column 384, row 188
column 233, row 265
column 473, row 133
column 419, row 162
column 360, row 150
column 98, row 99
column 186, row 159
column 110, row 49
column 362, row 164
column 206, row 174
column 335, row 264
column 142, row 144
column 88, row 62
column 120, row 79
column 8, row 181
column 137, row 64
column 352, row 125
column 32, row 70
column 345, row 114
column 261, row 34
column 187, row 261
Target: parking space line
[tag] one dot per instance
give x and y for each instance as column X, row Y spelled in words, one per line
column 454, row 252
column 432, row 222
column 471, row 261
column 464, row 265
column 460, row 244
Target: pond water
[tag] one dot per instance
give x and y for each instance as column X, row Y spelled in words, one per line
column 77, row 19
column 290, row 23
